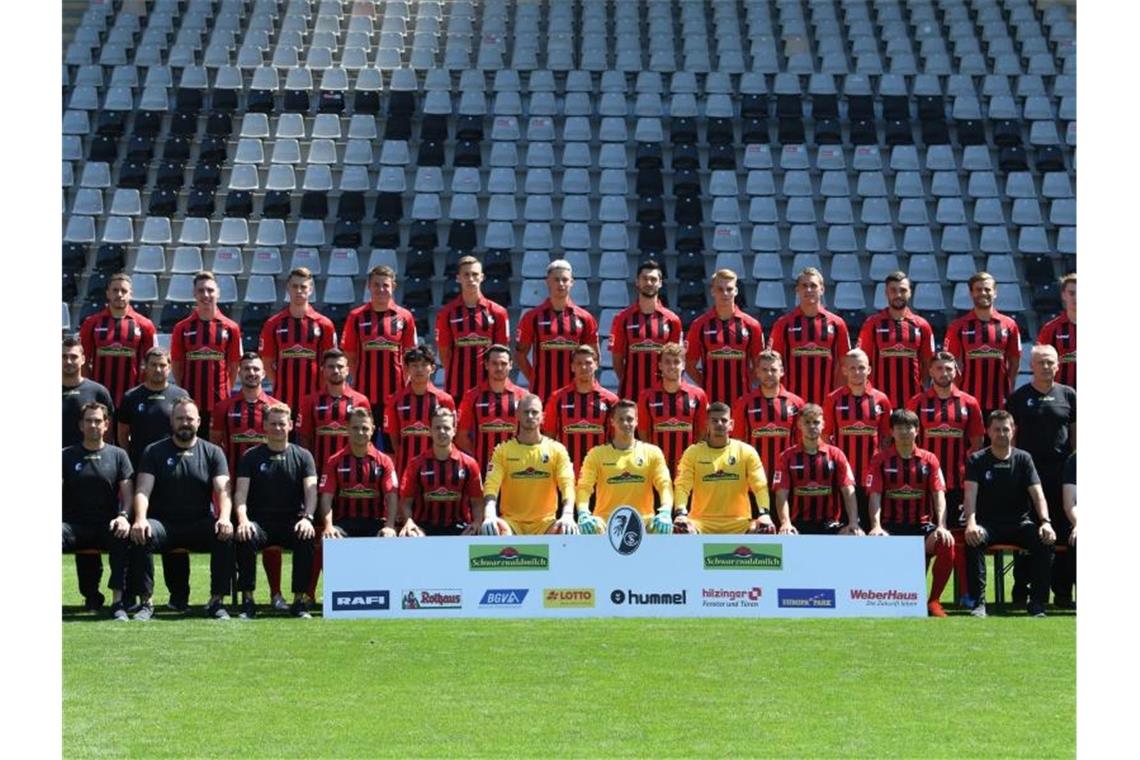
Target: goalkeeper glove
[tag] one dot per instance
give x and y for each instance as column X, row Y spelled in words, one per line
column 661, row 522
column 588, row 524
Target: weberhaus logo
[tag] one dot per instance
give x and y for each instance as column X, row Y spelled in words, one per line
column 887, row 598
column 744, row 556
column 508, row 557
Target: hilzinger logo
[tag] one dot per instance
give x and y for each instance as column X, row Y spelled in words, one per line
column 731, row 597
column 343, row 601
column 507, row 557
column 626, row 530
column 744, row 556
column 632, row 598
column 561, row 598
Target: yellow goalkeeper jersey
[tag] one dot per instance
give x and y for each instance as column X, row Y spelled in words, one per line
column 528, row 478
column 624, row 476
column 715, row 482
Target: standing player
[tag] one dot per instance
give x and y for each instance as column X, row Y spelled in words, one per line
column 639, row 331
column 275, row 499
column 376, row 335
column 465, row 328
column 178, row 479
column 488, row 413
column 1069, row 500
column 1045, row 413
column 812, row 341
column 722, row 344
column 78, row 391
column 671, row 414
column 358, row 488
column 576, row 413
column 407, row 417
column 857, row 419
column 238, row 424
column 96, row 507
column 908, row 499
column 144, row 416
column 293, row 341
column 765, row 418
column 205, row 349
column 323, row 417
column 116, row 339
column 553, row 329
column 625, row 471
column 987, row 345
column 1005, row 505
column 814, row 483
column 898, row 342
column 715, row 478
column 530, row 475
column 1061, row 332
column 441, row 491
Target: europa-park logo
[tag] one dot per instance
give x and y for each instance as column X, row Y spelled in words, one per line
column 509, row 557
column 743, row 556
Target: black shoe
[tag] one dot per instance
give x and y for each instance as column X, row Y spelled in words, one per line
column 95, row 602
column 1036, row 610
column 131, row 604
column 118, row 612
column 217, row 610
column 300, row 609
column 179, row 603
column 248, row 610
column 1064, row 603
column 146, row 611
column 1019, row 596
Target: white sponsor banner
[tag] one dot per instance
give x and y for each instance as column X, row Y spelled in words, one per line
column 664, row 576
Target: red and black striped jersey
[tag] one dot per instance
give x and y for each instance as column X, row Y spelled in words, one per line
column 578, row 420
column 638, row 338
column 378, row 340
column 898, row 349
column 1061, row 333
column 554, row 335
column 811, row 347
column 205, row 350
column 294, row 346
column 724, row 349
column 322, row 421
column 488, row 416
column 814, row 482
column 467, row 331
column 115, row 348
column 672, row 421
column 857, row 424
column 358, row 484
column 407, row 421
column 945, row 427
column 906, row 485
column 767, row 424
column 984, row 349
column 441, row 490
column 241, row 424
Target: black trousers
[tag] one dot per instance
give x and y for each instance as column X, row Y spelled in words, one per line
column 77, row 535
column 1024, row 535
column 274, row 533
column 194, row 535
column 358, row 527
column 1064, row 573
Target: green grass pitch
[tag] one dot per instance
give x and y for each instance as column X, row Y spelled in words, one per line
column 278, row 687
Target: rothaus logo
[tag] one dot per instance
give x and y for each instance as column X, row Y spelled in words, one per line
column 346, row 601
column 632, row 598
column 626, row 529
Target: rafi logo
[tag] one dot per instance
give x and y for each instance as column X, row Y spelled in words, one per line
column 743, row 556
column 892, row 597
column 626, row 529
column 734, row 598
column 569, row 598
column 806, row 598
column 631, row 598
column 507, row 557
column 344, row 601
column 503, row 597
column 431, row 599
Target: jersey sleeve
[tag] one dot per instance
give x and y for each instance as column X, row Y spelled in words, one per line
column 975, row 425
column 216, row 458
column 550, row 424
column 218, row 418
column 866, row 340
column 617, row 335
column 659, row 475
column 693, row 347
column 700, row 415
column 390, row 423
column 953, row 343
column 587, row 477
column 844, row 474
column 777, row 340
column 829, row 418
column 349, row 341
column 177, row 350
column 643, row 424
column 526, row 330
column 267, row 342
column 756, row 339
column 974, row 469
column 781, row 480
column 146, row 327
column 148, row 462
column 124, row 471
column 328, row 481
column 1031, row 476
column 466, row 419
column 87, row 339
column 874, row 482
column 1013, row 345
column 495, row 471
column 408, row 336
column 233, row 345
column 445, row 400
column 884, row 417
column 1069, row 474
column 683, row 485
column 103, row 396
column 926, row 350
column 410, row 479
column 308, row 464
column 328, row 336
column 563, row 471
column 842, row 339
column 389, row 483
column 443, row 336
column 245, row 465
column 937, row 481
column 590, row 331
column 473, row 484
column 738, row 418
column 757, row 478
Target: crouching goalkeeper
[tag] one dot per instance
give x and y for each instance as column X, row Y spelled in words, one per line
column 625, row 471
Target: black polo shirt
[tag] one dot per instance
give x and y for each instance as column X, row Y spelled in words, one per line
column 91, row 483
column 276, row 488
column 183, row 478
column 1003, row 486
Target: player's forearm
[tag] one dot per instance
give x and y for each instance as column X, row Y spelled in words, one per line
column 522, row 360
column 695, row 373
column 404, row 513
column 619, row 366
column 874, row 510
column 969, row 502
column 568, row 508
column 850, row 504
column 477, row 511
column 940, row 509
column 123, row 436
column 225, row 505
column 490, row 511
column 142, row 504
column 1037, row 496
column 782, row 515
column 126, row 496
column 310, row 498
column 1069, row 501
column 390, row 507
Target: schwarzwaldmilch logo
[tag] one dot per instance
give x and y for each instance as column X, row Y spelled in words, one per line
column 626, row 529
column 508, row 557
column 744, row 556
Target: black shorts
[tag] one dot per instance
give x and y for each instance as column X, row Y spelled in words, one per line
column 442, row 530
column 358, row 527
column 819, row 528
column 910, row 529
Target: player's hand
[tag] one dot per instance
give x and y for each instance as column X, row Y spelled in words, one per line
column 244, row 530
column 877, row 531
column 224, row 530
column 589, row 525
column 411, row 530
column 682, row 524
column 1073, row 536
column 1048, row 536
column 120, row 527
column 386, row 532
column 762, row 525
column 330, row 533
column 943, row 536
column 787, row 529
column 490, row 527
column 975, row 534
column 304, row 529
column 566, row 526
column 140, row 532
column 851, row 530
column 471, row 530
column 661, row 523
